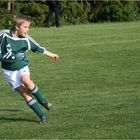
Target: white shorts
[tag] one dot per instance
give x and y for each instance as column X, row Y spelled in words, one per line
column 14, row 77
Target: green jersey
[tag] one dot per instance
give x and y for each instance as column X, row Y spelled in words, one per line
column 13, row 50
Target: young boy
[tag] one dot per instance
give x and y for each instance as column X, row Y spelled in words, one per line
column 13, row 46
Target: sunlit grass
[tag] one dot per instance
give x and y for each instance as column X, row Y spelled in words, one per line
column 94, row 87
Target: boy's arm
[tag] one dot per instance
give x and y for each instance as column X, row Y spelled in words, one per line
column 51, row 55
column 1, row 37
column 35, row 47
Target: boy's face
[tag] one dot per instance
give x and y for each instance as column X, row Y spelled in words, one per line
column 23, row 28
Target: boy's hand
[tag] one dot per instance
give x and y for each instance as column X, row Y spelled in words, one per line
column 55, row 57
column 51, row 55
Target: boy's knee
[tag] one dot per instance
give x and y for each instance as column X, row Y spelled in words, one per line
column 29, row 83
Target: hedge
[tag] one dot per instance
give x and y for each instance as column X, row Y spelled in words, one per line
column 72, row 12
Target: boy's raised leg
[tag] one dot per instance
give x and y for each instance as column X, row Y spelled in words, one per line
column 35, row 107
column 41, row 99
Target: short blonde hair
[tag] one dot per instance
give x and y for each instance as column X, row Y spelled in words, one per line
column 18, row 20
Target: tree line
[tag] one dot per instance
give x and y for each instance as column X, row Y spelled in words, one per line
column 72, row 12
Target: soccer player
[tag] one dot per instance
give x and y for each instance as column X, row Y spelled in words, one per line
column 13, row 46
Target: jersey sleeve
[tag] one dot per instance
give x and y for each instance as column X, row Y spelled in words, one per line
column 34, row 46
column 1, row 38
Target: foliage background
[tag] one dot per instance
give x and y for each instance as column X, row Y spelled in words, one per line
column 72, row 12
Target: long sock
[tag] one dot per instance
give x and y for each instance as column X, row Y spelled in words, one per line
column 35, row 92
column 35, row 107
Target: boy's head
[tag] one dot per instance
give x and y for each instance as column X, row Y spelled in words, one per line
column 21, row 24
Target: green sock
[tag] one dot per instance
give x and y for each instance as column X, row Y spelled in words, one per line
column 35, row 92
column 35, row 107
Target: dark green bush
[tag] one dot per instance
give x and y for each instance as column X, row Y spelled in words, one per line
column 114, row 11
column 35, row 11
column 76, row 13
column 5, row 18
column 72, row 12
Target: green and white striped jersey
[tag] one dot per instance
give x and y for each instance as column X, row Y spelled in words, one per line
column 13, row 50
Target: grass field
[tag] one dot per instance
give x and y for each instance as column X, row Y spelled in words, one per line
column 94, row 88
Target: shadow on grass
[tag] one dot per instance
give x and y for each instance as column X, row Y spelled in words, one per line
column 6, row 119
column 15, row 119
column 9, row 110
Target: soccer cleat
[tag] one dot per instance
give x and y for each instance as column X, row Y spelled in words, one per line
column 44, row 120
column 47, row 105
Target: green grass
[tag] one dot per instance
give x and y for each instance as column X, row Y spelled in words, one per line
column 94, row 88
